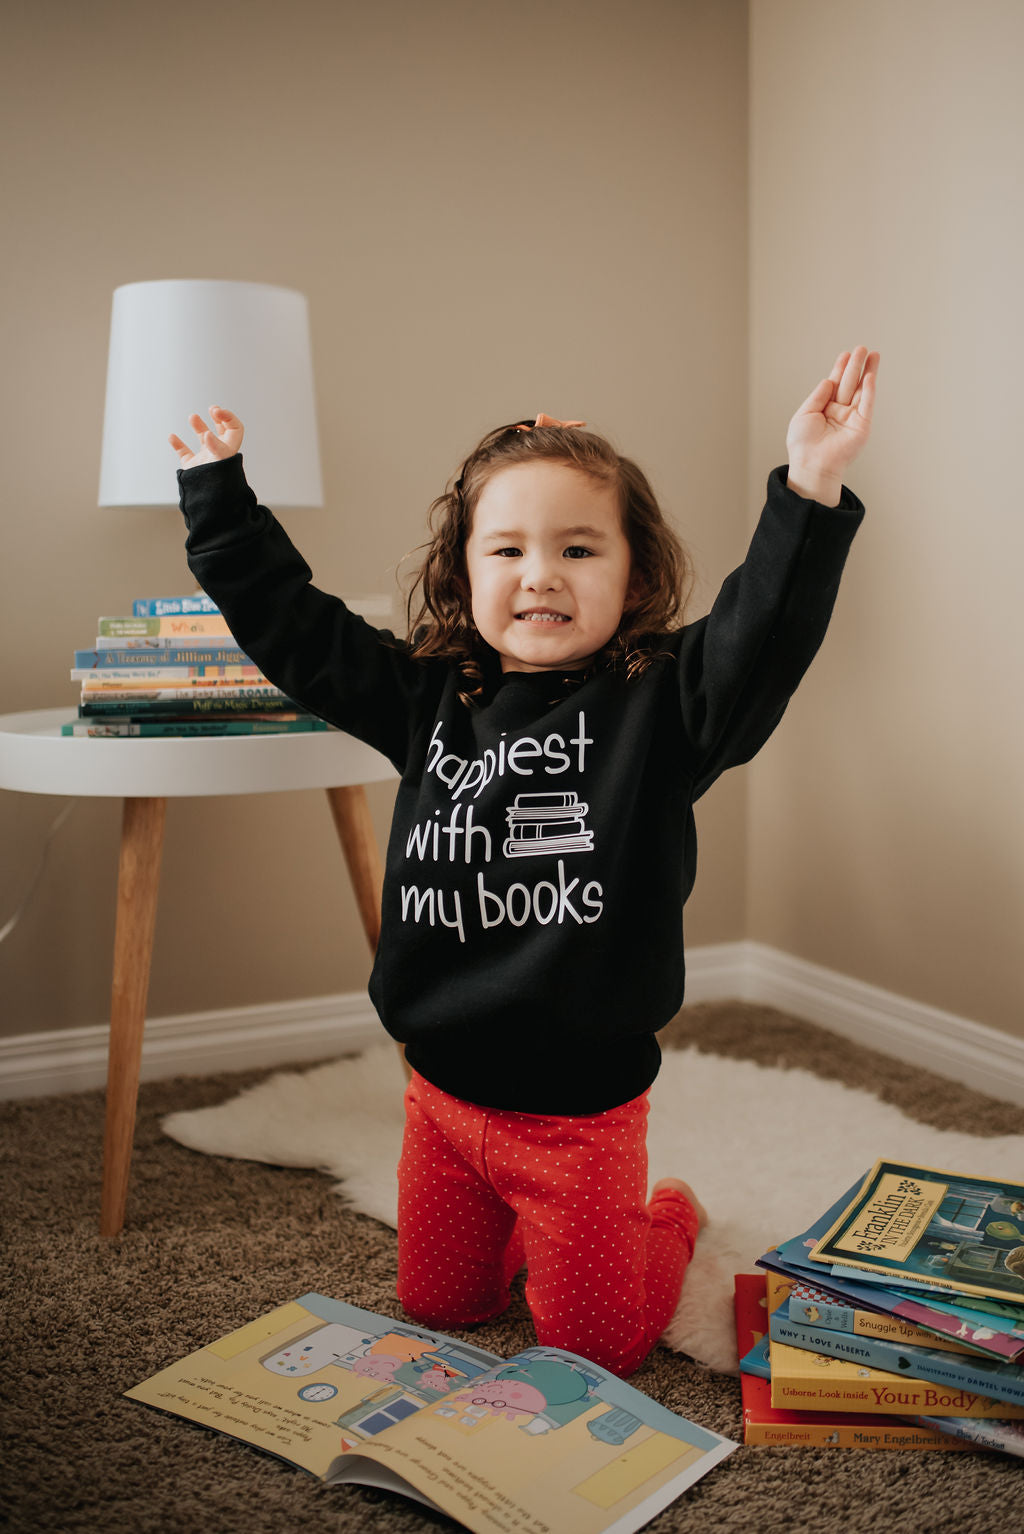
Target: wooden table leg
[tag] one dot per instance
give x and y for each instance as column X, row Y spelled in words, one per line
column 351, row 810
column 142, row 833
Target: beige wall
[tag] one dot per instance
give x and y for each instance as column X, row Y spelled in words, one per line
column 887, row 817
column 493, row 210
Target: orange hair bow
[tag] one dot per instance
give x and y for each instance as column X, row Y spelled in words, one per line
column 547, row 420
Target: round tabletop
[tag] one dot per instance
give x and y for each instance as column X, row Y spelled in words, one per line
column 35, row 758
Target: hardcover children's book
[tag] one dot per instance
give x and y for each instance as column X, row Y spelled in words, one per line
column 919, row 1227
column 812, row 1381
column 171, row 607
column 541, row 1441
column 811, row 1306
column 283, row 724
column 180, row 628
column 153, row 656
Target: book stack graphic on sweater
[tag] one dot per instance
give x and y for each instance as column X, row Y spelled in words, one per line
column 546, row 823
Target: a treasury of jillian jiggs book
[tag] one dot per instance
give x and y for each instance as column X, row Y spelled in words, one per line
column 542, row 1443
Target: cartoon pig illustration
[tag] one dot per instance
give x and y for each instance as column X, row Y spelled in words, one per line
column 505, row 1398
column 376, row 1366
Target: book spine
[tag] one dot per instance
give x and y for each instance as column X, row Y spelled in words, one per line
column 901, row 1399
column 1002, row 1338
column 141, row 708
column 170, row 607
column 756, row 1361
column 160, row 680
column 847, row 1435
column 113, row 678
column 125, row 693
column 138, row 643
column 117, row 728
column 838, row 1318
column 167, row 655
column 911, row 1284
column 1008, row 1437
column 820, row 1310
column 152, row 628
column 958, row 1371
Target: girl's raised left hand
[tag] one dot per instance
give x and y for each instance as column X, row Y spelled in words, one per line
column 832, row 426
column 222, row 442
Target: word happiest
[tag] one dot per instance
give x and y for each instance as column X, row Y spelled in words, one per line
column 522, row 757
column 545, row 902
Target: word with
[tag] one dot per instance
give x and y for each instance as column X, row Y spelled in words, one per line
column 425, row 840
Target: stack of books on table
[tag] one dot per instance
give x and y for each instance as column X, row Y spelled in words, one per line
column 172, row 668
column 896, row 1320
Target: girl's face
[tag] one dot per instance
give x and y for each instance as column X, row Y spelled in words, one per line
column 548, row 566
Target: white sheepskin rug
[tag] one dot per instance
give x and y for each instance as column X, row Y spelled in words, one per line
column 766, row 1151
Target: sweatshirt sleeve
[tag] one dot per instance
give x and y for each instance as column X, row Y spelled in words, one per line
column 739, row 666
column 306, row 642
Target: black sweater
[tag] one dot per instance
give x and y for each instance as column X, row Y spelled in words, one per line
column 543, row 842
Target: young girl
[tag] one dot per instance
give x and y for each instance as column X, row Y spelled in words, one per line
column 553, row 723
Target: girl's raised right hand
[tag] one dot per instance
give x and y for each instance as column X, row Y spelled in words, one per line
column 222, row 442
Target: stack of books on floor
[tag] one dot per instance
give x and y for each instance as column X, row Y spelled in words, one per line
column 895, row 1321
column 172, row 668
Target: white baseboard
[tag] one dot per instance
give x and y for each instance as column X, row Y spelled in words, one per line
column 984, row 1058
column 193, row 1044
column 322, row 1027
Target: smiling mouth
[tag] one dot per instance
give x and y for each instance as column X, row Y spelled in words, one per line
column 542, row 616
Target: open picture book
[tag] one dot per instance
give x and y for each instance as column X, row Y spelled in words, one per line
column 539, row 1442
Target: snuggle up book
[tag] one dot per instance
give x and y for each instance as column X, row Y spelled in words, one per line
column 541, row 1441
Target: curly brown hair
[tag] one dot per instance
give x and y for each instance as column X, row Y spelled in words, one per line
column 440, row 622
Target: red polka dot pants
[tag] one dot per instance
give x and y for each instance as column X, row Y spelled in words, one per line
column 480, row 1191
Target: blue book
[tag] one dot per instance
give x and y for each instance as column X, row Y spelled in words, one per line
column 757, row 1360
column 173, row 607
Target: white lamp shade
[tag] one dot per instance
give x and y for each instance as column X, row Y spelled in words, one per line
column 179, row 347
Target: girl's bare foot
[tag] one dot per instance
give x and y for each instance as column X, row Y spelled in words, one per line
column 678, row 1186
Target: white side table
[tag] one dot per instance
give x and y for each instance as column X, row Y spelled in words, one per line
column 36, row 759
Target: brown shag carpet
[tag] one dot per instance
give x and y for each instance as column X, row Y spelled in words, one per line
column 212, row 1243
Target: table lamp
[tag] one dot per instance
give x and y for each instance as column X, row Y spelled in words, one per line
column 177, row 347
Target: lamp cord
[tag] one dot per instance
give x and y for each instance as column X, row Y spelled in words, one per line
column 26, row 901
